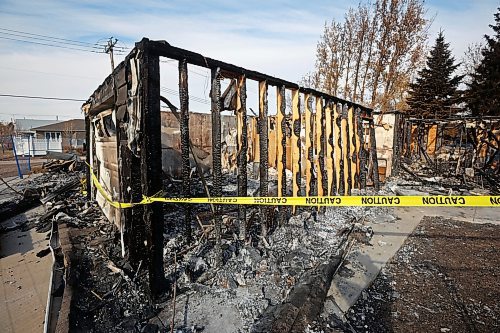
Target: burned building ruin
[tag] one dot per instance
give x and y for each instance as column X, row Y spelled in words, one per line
column 328, row 144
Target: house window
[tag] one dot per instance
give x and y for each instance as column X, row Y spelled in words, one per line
column 53, row 135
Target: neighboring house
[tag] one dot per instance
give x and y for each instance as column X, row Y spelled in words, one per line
column 72, row 132
column 24, row 127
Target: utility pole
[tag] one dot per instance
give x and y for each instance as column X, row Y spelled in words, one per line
column 109, row 49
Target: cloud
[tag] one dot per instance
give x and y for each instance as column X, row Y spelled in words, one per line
column 275, row 37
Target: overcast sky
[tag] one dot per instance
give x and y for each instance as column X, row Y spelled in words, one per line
column 275, row 37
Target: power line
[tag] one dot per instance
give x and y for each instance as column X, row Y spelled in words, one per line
column 49, row 40
column 45, row 36
column 27, row 37
column 43, row 97
column 52, row 45
column 58, row 39
column 191, row 97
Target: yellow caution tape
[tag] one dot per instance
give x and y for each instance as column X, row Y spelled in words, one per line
column 330, row 201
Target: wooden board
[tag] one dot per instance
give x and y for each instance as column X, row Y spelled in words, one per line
column 337, row 147
column 413, row 138
column 263, row 138
column 345, row 150
column 281, row 140
column 319, row 129
column 295, row 142
column 242, row 148
column 308, row 165
column 272, row 137
column 329, row 147
column 352, row 145
column 358, row 129
column 431, row 139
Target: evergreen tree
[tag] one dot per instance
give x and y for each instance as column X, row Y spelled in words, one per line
column 435, row 90
column 483, row 94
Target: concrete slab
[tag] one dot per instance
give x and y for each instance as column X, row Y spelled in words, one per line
column 365, row 261
column 24, row 280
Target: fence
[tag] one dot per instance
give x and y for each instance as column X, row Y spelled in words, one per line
column 36, row 147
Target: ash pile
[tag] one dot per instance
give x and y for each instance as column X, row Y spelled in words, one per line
column 246, row 285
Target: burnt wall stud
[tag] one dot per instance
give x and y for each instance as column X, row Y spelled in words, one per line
column 263, row 150
column 329, row 147
column 308, row 144
column 281, row 142
column 320, row 155
column 346, row 166
column 359, row 147
column 151, row 171
column 216, row 156
column 184, row 125
column 241, row 118
column 87, row 155
column 296, row 145
column 352, row 146
column 373, row 156
column 337, row 149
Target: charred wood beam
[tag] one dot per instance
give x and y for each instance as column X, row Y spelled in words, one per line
column 352, row 147
column 337, row 149
column 296, row 145
column 151, row 171
column 322, row 152
column 319, row 147
column 346, row 166
column 281, row 138
column 359, row 137
column 373, row 157
column 241, row 118
column 184, row 126
column 398, row 142
column 216, row 155
column 164, row 49
column 263, row 151
column 281, row 150
column 130, row 180
column 87, row 156
column 362, row 153
column 309, row 144
column 329, row 148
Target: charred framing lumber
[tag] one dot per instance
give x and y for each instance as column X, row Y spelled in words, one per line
column 373, row 156
column 346, row 150
column 309, row 160
column 151, row 171
column 322, row 157
column 130, row 178
column 329, row 148
column 281, row 150
column 337, row 149
column 184, row 126
column 398, row 138
column 216, row 155
column 320, row 163
column 360, row 151
column 352, row 146
column 263, row 150
column 296, row 145
column 281, row 140
column 242, row 148
column 87, row 156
